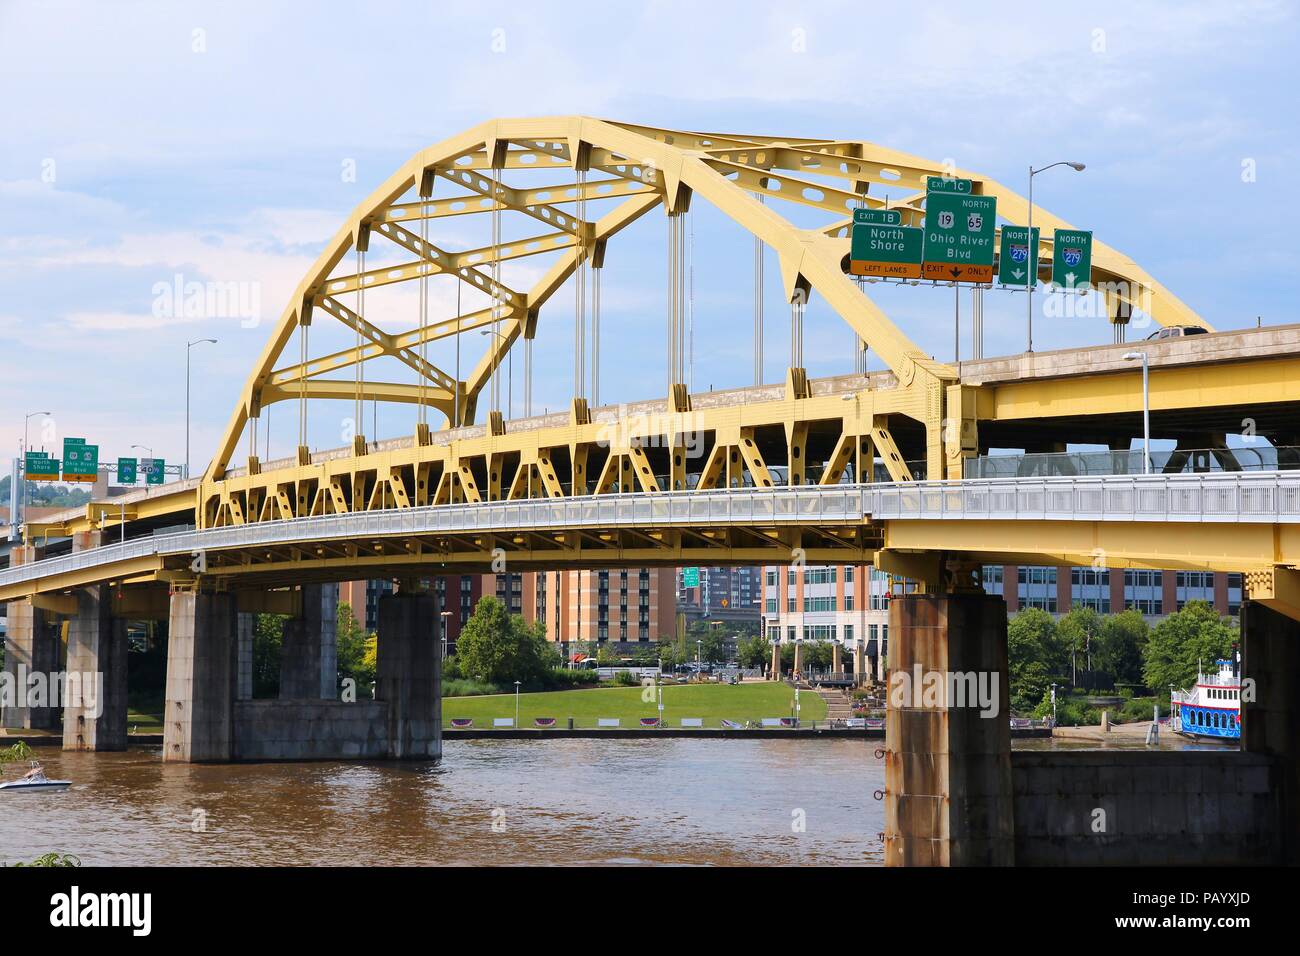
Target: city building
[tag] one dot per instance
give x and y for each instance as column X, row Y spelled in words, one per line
column 1154, row 593
column 624, row 606
column 731, row 595
column 844, row 603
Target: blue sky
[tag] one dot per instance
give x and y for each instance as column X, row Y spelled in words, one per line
column 130, row 156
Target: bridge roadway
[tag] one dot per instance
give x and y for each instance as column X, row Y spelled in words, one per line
column 1202, row 387
column 1239, row 521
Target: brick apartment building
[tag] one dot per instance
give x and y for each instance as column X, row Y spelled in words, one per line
column 625, row 606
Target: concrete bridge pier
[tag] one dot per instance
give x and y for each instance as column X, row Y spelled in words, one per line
column 948, row 780
column 1271, row 722
column 409, row 674
column 32, row 646
column 202, row 641
column 94, row 707
column 309, row 651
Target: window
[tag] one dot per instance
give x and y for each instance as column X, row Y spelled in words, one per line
column 1090, row 587
column 848, row 633
column 1194, row 586
column 1234, row 594
column 1037, row 587
column 770, row 606
column 848, row 574
column 848, row 600
column 815, row 604
column 1144, row 591
column 992, row 579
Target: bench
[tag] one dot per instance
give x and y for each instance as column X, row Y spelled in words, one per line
column 503, row 721
column 606, row 721
column 692, row 721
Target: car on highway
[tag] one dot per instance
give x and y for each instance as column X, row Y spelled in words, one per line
column 1177, row 331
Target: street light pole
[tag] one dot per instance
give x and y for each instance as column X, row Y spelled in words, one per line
column 188, row 346
column 1146, row 406
column 17, row 494
column 516, row 703
column 1031, row 280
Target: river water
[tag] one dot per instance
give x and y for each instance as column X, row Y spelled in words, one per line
column 560, row 802
column 567, row 802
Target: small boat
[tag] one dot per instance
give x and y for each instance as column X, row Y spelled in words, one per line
column 1211, row 709
column 35, row 779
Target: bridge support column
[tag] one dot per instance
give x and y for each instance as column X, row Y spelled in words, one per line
column 32, row 646
column 94, row 706
column 409, row 675
column 1270, row 724
column 202, row 644
column 309, row 653
column 947, row 734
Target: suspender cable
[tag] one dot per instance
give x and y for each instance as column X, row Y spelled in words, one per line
column 580, row 296
column 458, row 383
column 359, row 411
column 595, row 336
column 496, row 289
column 758, row 311
column 422, row 409
column 690, row 345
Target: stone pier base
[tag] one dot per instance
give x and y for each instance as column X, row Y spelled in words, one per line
column 410, row 675
column 94, row 708
column 32, row 647
column 948, row 784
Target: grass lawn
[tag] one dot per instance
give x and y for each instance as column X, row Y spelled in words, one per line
column 712, row 702
column 138, row 722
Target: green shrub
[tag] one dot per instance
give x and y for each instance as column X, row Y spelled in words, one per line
column 627, row 679
column 461, row 687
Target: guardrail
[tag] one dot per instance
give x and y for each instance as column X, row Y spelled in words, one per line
column 1235, row 497
column 1268, row 497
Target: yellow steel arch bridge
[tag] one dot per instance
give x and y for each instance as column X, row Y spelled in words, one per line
column 588, row 180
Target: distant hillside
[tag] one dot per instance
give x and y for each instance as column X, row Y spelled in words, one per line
column 48, row 496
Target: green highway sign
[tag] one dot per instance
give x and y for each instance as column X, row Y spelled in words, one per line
column 690, row 577
column 153, row 470
column 39, row 464
column 126, row 472
column 892, row 252
column 948, row 184
column 878, row 217
column 1072, row 258
column 1014, row 266
column 959, row 233
column 80, row 461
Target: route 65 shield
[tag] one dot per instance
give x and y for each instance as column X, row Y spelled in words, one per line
column 974, row 222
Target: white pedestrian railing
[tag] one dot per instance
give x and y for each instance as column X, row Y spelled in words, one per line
column 1268, row 497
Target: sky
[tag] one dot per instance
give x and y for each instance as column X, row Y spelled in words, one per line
column 225, row 142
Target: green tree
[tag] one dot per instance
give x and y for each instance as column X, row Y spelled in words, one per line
column 1195, row 636
column 713, row 647
column 1123, row 639
column 1078, row 637
column 1033, row 656
column 499, row 648
column 352, row 647
column 754, row 651
column 268, row 640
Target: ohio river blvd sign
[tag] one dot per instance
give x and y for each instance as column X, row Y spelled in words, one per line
column 959, row 243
